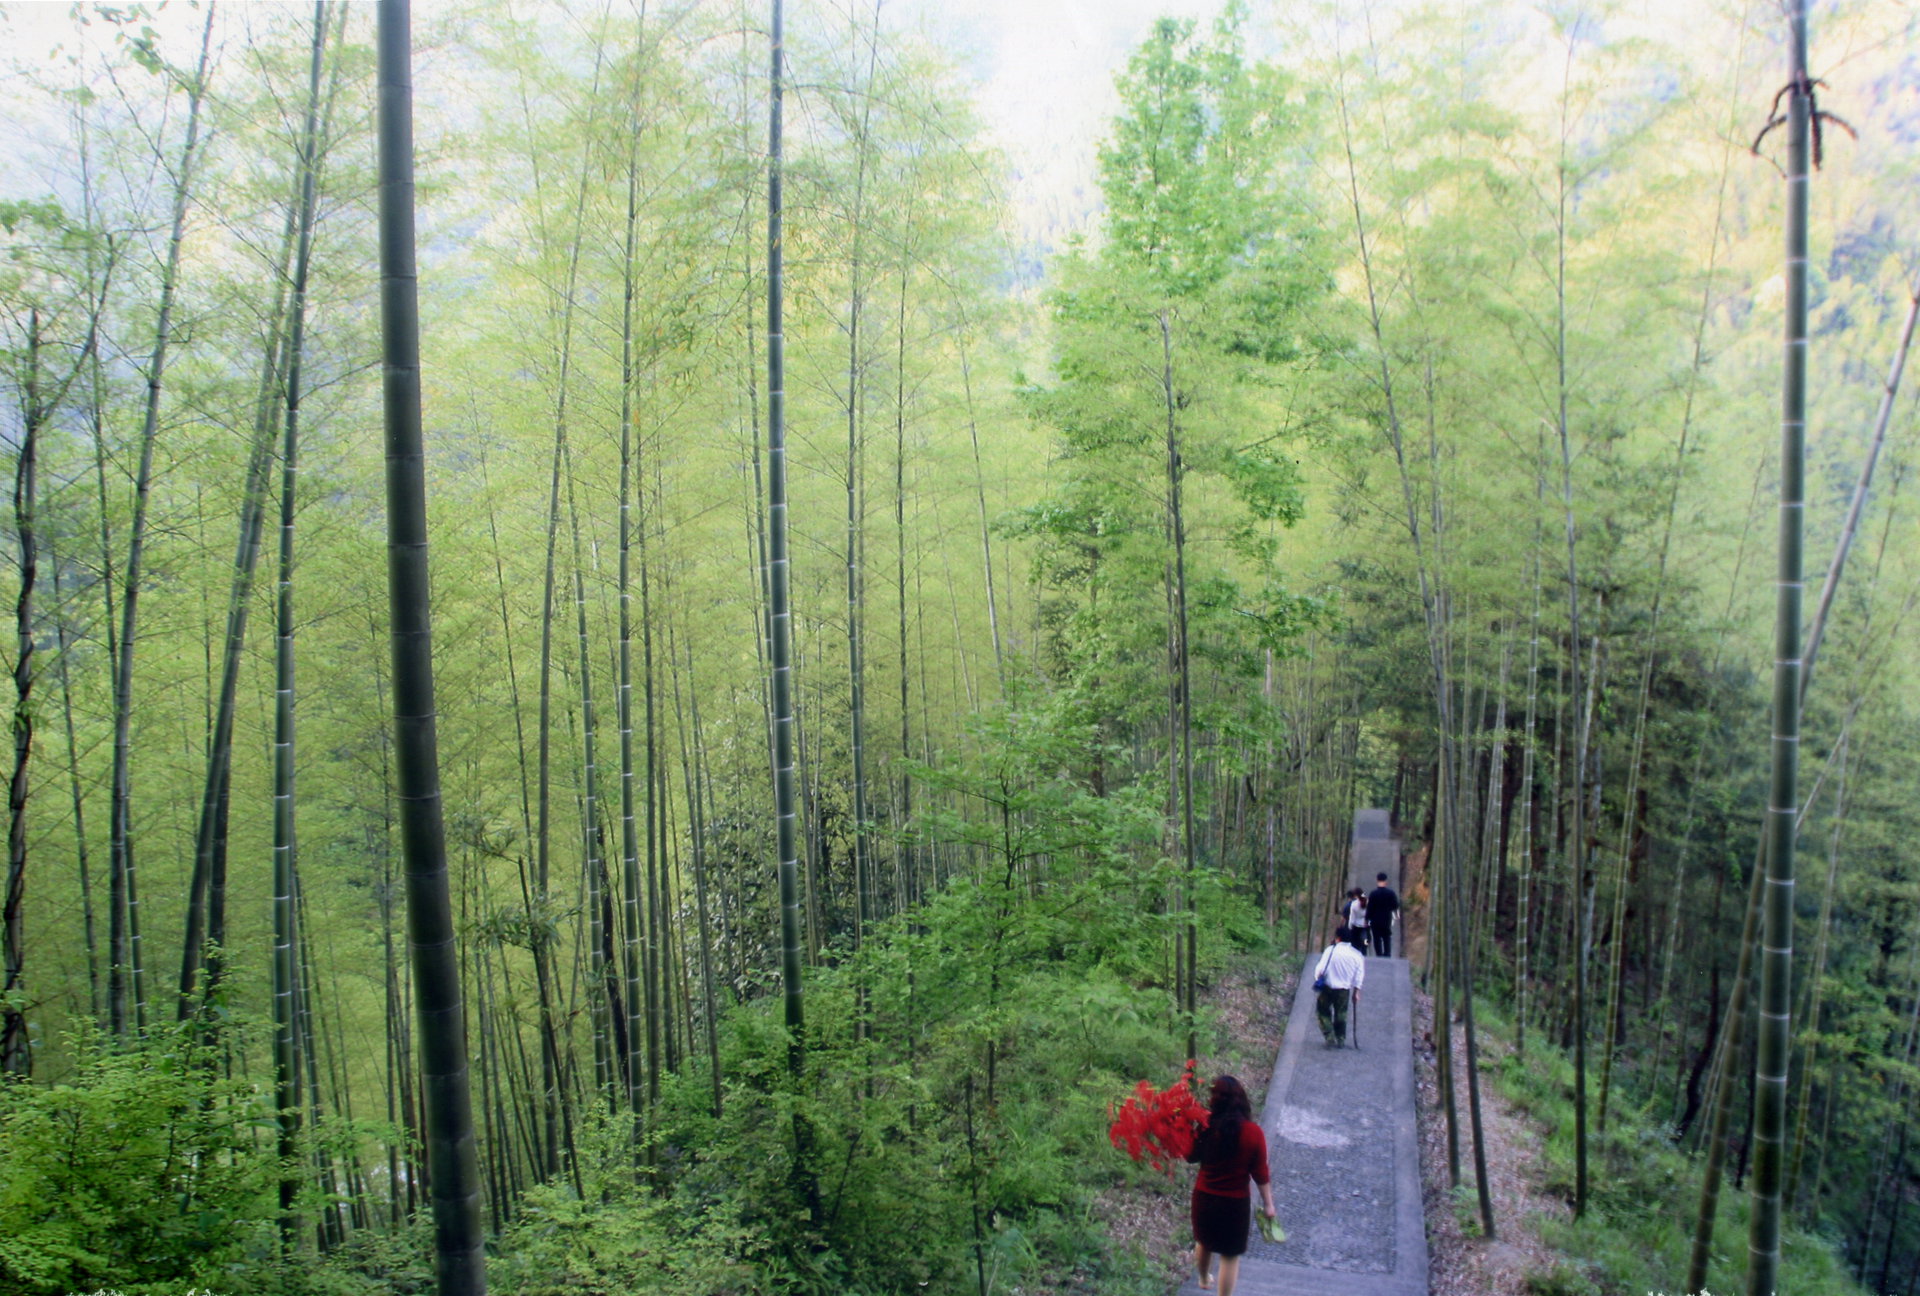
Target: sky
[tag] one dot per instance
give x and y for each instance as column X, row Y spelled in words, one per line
column 1043, row 70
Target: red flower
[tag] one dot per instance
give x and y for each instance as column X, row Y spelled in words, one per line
column 1159, row 1126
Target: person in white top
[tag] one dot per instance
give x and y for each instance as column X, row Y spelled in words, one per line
column 1337, row 979
column 1357, row 917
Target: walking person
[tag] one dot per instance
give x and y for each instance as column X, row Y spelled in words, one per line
column 1382, row 906
column 1357, row 917
column 1231, row 1151
column 1337, row 979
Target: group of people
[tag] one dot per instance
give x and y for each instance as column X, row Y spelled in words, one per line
column 1232, row 1150
column 1337, row 978
column 1369, row 917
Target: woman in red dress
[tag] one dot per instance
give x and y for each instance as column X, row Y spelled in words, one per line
column 1231, row 1151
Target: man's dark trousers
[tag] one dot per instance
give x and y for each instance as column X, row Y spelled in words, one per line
column 1331, row 1007
column 1382, row 940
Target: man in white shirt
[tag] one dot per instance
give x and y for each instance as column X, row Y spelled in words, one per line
column 1339, row 975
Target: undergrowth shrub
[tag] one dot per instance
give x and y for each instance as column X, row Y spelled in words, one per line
column 138, row 1172
column 1642, row 1193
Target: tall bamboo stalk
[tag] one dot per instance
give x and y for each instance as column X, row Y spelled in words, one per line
column 96, row 1004
column 1774, row 1037
column 1623, row 879
column 1489, row 860
column 327, row 1231
column 1432, row 598
column 16, row 1058
column 1857, row 504
column 287, row 1050
column 559, row 1109
column 1650, row 646
column 692, row 763
column 1577, row 836
column 781, row 629
column 99, row 282
column 286, row 1039
column 599, row 1001
column 1814, row 988
column 903, row 806
column 1527, row 848
column 629, row 832
column 1462, row 934
column 124, row 975
column 1725, row 1053
column 653, row 945
column 1183, row 682
column 856, row 533
column 209, row 849
column 459, row 1238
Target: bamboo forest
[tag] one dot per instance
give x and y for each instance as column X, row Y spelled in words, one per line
column 667, row 645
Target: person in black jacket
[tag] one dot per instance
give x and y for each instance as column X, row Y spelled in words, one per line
column 1382, row 905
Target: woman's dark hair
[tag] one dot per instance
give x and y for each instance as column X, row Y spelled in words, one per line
column 1227, row 1106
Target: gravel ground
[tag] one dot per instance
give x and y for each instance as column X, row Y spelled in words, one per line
column 1462, row 1263
column 1251, row 1002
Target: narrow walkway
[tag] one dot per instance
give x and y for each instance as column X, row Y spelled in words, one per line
column 1375, row 851
column 1345, row 1156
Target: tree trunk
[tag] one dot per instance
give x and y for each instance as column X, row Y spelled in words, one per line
column 1524, row 924
column 692, row 763
column 16, row 1057
column 1183, row 683
column 629, row 839
column 903, row 807
column 96, row 1004
column 210, row 835
column 600, row 1003
column 124, row 978
column 781, row 634
column 1719, row 1100
column 286, row 1049
column 459, row 1238
column 1774, row 1037
column 559, row 1106
column 1811, row 1049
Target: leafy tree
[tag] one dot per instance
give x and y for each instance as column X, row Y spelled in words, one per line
column 1172, row 342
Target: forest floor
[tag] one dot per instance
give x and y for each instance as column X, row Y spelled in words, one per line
column 1252, row 1000
column 1460, row 1261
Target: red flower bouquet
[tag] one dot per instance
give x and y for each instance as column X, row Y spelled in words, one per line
column 1159, row 1127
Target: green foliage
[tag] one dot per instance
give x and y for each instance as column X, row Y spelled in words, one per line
column 19, row 213
column 1563, row 1278
column 1004, row 1015
column 1028, row 960
column 141, row 1168
column 1193, row 195
column 1182, row 337
column 1635, row 1234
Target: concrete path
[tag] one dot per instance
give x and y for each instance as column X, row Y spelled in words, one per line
column 1345, row 1158
column 1375, row 851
